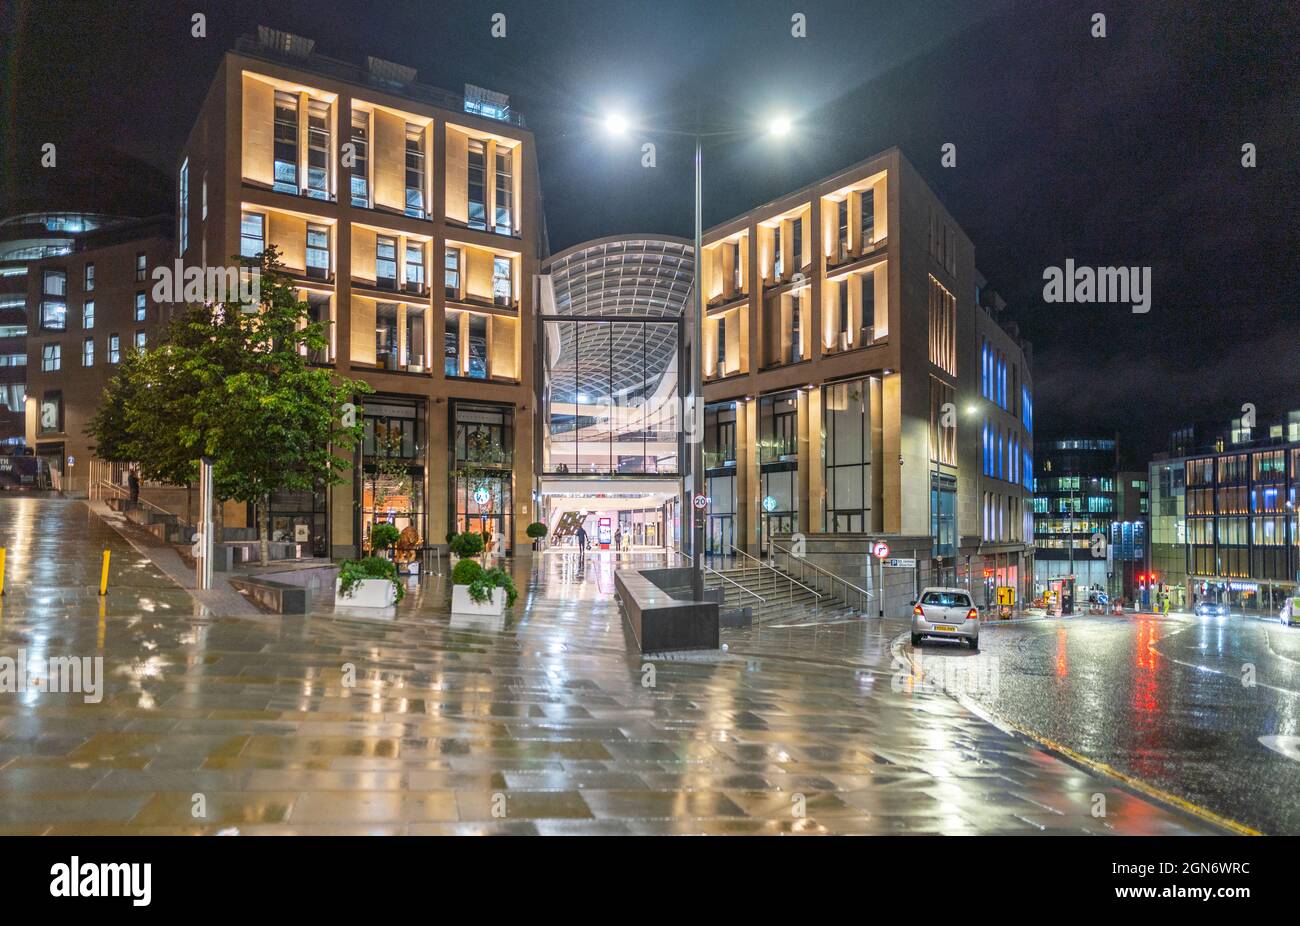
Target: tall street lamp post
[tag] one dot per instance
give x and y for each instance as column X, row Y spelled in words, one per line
column 616, row 124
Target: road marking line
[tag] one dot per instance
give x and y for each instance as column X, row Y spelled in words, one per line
column 1101, row 768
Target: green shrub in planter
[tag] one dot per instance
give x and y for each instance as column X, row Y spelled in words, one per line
column 352, row 571
column 466, row 572
column 383, row 536
column 468, row 544
column 536, row 530
column 480, row 589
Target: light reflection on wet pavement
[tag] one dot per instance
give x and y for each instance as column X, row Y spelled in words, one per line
column 1163, row 699
column 539, row 723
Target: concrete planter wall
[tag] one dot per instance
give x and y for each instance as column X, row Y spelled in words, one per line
column 368, row 593
column 461, row 603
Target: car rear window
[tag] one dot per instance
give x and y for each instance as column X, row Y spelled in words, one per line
column 947, row 599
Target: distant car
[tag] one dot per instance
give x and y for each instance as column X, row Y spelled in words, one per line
column 948, row 613
column 1211, row 609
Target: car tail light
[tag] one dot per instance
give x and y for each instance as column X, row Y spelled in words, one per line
column 916, row 609
column 972, row 614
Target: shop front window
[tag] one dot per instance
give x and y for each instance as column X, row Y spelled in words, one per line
column 846, row 420
column 483, row 453
column 393, row 454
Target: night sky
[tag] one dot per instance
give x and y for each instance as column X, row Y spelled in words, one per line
column 1121, row 151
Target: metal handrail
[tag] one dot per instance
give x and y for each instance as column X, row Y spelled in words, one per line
column 761, row 599
column 863, row 595
column 783, row 575
column 144, row 503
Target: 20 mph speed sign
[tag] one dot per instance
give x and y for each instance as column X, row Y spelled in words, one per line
column 701, row 502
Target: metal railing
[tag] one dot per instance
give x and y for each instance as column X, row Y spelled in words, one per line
column 851, row 593
column 780, row 576
column 99, row 486
column 711, row 571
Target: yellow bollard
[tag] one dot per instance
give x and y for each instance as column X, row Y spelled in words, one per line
column 2, row 570
column 103, row 576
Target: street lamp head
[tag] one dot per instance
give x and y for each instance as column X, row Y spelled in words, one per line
column 615, row 124
column 779, row 126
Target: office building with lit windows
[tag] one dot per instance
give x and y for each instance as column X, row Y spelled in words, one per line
column 1075, row 490
column 1224, row 520
column 409, row 219
column 24, row 238
column 861, row 385
column 88, row 307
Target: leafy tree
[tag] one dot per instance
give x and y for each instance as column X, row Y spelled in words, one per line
column 234, row 385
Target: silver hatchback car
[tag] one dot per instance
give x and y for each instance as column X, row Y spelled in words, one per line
column 948, row 613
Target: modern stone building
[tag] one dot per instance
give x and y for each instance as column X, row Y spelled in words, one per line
column 88, row 307
column 1225, row 522
column 860, row 387
column 410, row 219
column 24, row 238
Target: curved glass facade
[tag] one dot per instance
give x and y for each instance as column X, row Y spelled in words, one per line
column 611, row 392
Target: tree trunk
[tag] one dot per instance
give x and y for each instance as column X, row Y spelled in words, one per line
column 265, row 522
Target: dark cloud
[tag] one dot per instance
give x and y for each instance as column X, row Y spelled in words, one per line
column 1116, row 151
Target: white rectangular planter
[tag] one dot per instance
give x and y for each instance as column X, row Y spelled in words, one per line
column 368, row 593
column 461, row 603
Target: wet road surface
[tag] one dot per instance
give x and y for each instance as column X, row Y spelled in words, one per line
column 542, row 722
column 1179, row 702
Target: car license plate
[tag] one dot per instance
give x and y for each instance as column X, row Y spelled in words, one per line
column 945, row 628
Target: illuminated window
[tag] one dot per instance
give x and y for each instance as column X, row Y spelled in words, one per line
column 415, row 171
column 503, row 293
column 252, row 234
column 505, row 187
column 943, row 328
column 451, row 272
column 286, row 142
column 360, row 158
column 477, row 184
column 318, row 252
column 318, row 149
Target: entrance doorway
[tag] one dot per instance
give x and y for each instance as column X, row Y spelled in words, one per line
column 616, row 515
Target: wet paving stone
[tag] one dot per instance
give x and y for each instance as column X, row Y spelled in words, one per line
column 537, row 724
